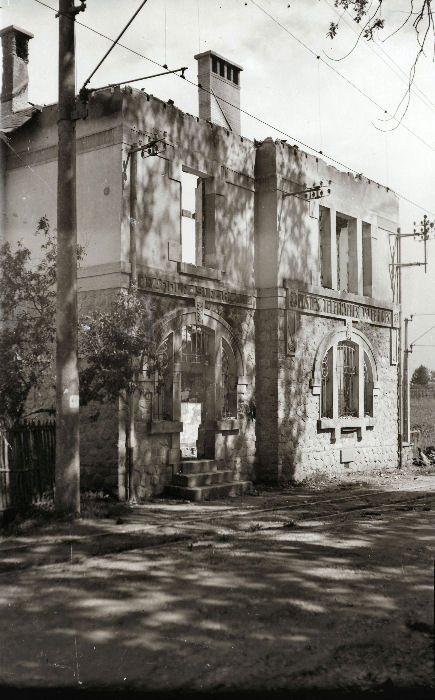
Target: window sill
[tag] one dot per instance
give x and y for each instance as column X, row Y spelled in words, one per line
column 159, row 427
column 198, row 271
column 351, row 422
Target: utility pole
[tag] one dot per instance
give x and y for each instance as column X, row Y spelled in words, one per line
column 67, row 474
column 132, row 288
column 405, row 398
column 404, row 401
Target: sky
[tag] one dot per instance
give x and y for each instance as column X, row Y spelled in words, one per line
column 300, row 97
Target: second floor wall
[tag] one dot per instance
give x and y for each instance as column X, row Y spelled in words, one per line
column 343, row 241
column 210, row 204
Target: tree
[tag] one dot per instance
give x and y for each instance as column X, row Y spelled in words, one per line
column 371, row 19
column 117, row 354
column 27, row 331
column 421, row 376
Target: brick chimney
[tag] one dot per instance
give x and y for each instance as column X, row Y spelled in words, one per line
column 15, row 47
column 220, row 79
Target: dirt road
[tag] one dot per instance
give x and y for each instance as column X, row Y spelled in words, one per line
column 304, row 590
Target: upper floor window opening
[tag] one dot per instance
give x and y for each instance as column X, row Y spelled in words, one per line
column 197, row 219
column 345, row 253
column 192, row 219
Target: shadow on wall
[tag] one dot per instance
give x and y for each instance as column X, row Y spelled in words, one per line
column 229, row 236
column 282, row 376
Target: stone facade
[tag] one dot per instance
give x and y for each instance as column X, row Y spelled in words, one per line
column 281, row 284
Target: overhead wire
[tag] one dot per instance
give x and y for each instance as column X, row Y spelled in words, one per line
column 5, row 140
column 404, row 77
column 343, row 77
column 423, row 334
column 115, row 42
column 253, row 116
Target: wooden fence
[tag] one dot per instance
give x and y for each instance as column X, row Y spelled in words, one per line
column 27, row 461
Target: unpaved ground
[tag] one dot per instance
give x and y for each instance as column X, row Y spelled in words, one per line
column 298, row 589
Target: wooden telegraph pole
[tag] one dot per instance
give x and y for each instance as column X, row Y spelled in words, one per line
column 67, row 475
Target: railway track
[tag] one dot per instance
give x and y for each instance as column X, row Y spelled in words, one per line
column 311, row 510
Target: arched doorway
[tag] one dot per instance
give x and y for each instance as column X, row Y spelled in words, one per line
column 204, row 380
column 197, row 386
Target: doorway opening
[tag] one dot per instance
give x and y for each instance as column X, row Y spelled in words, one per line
column 197, row 387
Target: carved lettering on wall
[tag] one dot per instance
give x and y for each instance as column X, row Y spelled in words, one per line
column 183, row 289
column 338, row 308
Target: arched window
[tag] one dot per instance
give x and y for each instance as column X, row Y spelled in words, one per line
column 346, row 380
column 327, row 384
column 162, row 382
column 368, row 387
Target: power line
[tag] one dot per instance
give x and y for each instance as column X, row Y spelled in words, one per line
column 5, row 140
column 425, row 333
column 343, row 77
column 370, row 45
column 116, row 41
column 252, row 116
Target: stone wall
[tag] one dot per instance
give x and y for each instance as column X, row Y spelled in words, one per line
column 290, row 446
column 157, row 453
column 303, row 448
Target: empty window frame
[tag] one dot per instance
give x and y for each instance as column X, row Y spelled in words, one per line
column 367, row 257
column 325, row 247
column 346, row 268
column 192, row 219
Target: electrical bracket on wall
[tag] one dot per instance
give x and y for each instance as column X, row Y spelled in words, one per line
column 310, row 193
column 153, row 147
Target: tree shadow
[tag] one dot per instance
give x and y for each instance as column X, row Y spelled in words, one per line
column 316, row 604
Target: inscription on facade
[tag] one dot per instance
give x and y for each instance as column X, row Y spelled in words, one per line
column 182, row 289
column 338, row 308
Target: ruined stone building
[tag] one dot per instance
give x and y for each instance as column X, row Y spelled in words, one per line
column 275, row 310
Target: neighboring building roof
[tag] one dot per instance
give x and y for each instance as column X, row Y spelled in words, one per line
column 13, row 120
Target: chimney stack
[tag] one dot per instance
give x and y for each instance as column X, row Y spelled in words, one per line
column 219, row 101
column 15, row 47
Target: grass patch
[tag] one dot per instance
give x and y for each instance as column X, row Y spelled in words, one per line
column 94, row 505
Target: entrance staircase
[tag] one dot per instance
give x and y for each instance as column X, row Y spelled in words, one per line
column 201, row 480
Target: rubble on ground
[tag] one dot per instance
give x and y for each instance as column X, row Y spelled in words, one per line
column 425, row 458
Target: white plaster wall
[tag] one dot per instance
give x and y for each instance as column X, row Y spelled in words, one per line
column 31, row 193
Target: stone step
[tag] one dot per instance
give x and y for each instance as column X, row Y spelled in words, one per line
column 208, row 493
column 196, row 466
column 202, row 478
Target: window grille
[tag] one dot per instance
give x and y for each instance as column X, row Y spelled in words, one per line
column 368, row 388
column 229, row 387
column 194, row 347
column 346, row 375
column 326, row 396
column 160, row 399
